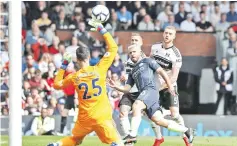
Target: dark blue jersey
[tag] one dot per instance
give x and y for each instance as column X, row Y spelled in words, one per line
column 143, row 74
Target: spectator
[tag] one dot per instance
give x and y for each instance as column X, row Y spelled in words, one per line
column 84, row 38
column 204, row 9
column 163, row 16
column 181, row 15
column 50, row 33
column 44, row 62
column 171, row 22
column 57, row 58
column 43, row 20
column 4, row 111
column 35, row 81
column 151, row 9
column 69, row 7
column 232, row 40
column 36, row 13
column 42, row 125
column 62, row 22
column 215, row 16
column 39, row 48
column 60, row 106
column 188, row 24
column 203, row 25
column 53, row 49
column 34, row 34
column 195, row 8
column 146, row 24
column 94, row 57
column 72, row 48
column 138, row 16
column 224, row 84
column 223, row 24
column 124, row 17
column 56, row 8
column 232, row 15
column 157, row 26
column 187, row 7
column 224, row 6
column 117, row 67
column 232, row 57
column 29, row 63
column 113, row 24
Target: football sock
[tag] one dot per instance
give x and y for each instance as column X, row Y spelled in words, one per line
column 156, row 130
column 179, row 119
column 176, row 127
column 135, row 123
column 63, row 123
column 125, row 125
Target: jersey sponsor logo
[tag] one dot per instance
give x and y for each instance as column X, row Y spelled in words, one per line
column 163, row 62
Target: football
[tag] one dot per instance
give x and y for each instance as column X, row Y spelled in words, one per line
column 100, row 13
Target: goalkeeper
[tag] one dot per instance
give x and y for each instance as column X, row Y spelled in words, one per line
column 90, row 83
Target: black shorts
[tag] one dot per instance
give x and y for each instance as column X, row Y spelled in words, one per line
column 167, row 100
column 70, row 102
column 128, row 99
column 150, row 98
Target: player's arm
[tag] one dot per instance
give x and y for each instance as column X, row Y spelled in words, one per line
column 112, row 47
column 59, row 81
column 159, row 70
column 175, row 69
column 126, row 88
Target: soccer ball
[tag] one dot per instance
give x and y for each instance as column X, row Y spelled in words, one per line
column 100, row 13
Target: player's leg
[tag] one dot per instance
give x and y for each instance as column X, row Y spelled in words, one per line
column 107, row 133
column 157, row 117
column 79, row 132
column 68, row 105
column 125, row 106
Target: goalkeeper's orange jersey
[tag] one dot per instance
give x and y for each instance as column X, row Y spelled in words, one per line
column 90, row 85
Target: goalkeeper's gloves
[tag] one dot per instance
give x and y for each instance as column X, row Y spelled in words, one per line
column 97, row 26
column 67, row 58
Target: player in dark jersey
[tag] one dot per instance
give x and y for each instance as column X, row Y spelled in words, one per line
column 143, row 76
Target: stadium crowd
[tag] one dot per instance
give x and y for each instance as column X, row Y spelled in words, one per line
column 42, row 49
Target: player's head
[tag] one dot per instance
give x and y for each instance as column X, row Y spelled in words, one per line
column 169, row 34
column 136, row 39
column 135, row 52
column 83, row 54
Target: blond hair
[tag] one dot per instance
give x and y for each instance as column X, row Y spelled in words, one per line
column 171, row 27
column 134, row 46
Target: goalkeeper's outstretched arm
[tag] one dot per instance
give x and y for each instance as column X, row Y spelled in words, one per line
column 59, row 81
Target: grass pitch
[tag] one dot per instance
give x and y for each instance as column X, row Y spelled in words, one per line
column 142, row 141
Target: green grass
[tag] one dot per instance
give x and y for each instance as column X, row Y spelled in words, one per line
column 142, row 141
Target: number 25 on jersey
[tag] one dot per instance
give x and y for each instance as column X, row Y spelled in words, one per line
column 94, row 86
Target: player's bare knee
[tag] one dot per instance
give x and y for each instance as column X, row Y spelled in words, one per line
column 157, row 117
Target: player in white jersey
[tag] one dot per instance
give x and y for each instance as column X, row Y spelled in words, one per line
column 170, row 59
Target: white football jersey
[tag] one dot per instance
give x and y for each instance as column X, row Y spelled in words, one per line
column 167, row 59
column 128, row 68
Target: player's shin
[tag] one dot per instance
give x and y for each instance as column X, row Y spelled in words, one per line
column 157, row 130
column 138, row 106
column 125, row 125
column 176, row 127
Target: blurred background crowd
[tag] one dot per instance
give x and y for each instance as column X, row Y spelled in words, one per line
column 42, row 49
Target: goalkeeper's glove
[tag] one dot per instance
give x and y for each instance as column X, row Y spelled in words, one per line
column 97, row 26
column 67, row 58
